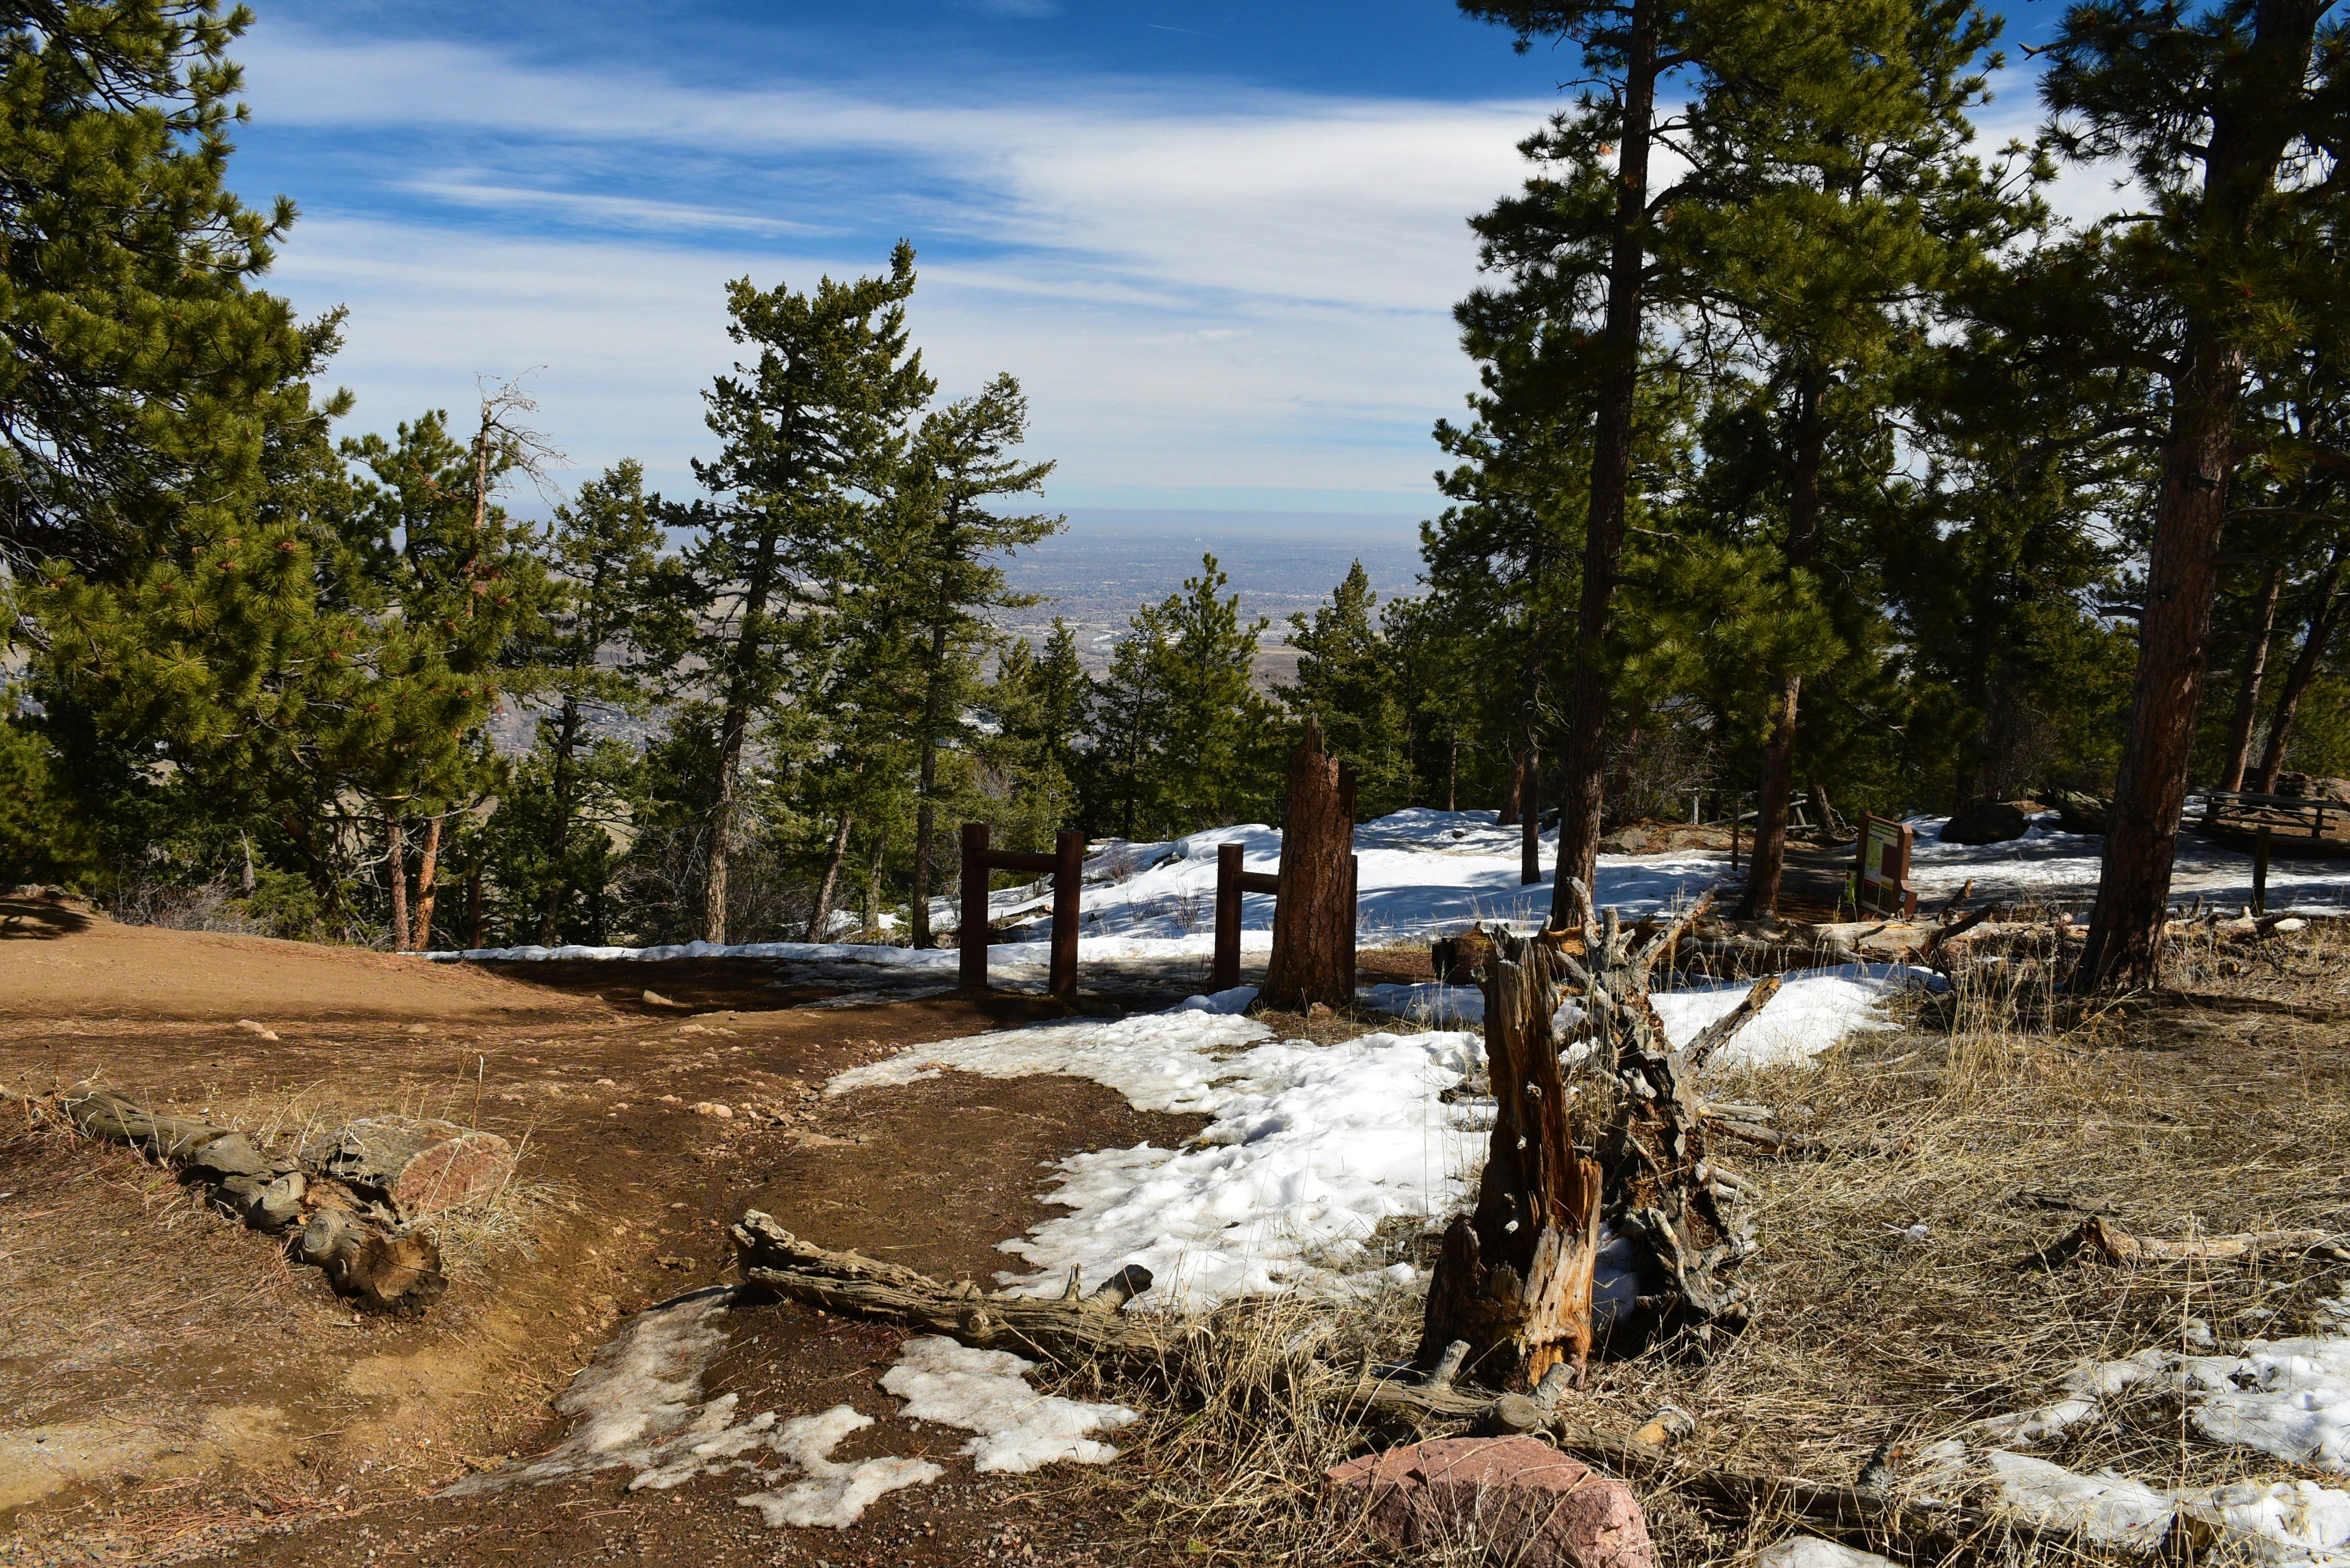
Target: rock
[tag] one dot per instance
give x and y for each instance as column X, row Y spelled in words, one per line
column 1992, row 822
column 1529, row 1504
column 419, row 1167
column 2311, row 787
column 655, row 999
column 252, row 1027
column 1624, row 841
column 712, row 1108
column 2081, row 813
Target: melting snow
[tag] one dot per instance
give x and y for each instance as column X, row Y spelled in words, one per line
column 638, row 1406
column 987, row 1392
column 835, row 1496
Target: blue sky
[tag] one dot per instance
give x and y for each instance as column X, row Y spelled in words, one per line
column 1218, row 243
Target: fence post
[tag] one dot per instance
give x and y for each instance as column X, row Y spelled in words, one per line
column 974, row 933
column 1068, row 877
column 1224, row 972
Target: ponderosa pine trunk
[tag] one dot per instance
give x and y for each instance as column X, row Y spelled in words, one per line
column 1453, row 768
column 1761, row 897
column 2324, row 614
column 734, row 730
column 428, row 866
column 2246, row 141
column 1530, row 821
column 2248, row 690
column 558, row 832
column 1313, row 912
column 396, row 860
column 926, row 813
column 1513, row 792
column 824, row 889
column 1591, row 699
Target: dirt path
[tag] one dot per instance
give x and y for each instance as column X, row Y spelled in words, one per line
column 172, row 1387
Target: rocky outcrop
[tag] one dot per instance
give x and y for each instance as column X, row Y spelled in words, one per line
column 1519, row 1498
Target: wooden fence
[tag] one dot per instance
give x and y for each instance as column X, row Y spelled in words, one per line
column 1224, row 972
column 1065, row 866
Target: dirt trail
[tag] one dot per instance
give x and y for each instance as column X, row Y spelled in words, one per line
column 172, row 1387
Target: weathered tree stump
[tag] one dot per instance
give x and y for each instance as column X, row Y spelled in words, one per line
column 1617, row 1140
column 1314, row 913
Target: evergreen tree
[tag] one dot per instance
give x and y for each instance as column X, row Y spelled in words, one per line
column 2231, row 119
column 1346, row 679
column 942, row 562
column 811, row 432
column 141, row 373
column 554, row 825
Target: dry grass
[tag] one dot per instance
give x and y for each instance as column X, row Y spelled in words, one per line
column 2220, row 1106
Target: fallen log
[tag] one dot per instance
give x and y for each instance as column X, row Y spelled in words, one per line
column 380, row 1267
column 2098, row 1238
column 1715, row 1035
column 1072, row 1326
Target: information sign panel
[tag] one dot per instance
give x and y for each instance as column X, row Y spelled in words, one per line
column 1882, row 887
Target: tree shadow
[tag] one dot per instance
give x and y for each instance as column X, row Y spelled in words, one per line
column 38, row 919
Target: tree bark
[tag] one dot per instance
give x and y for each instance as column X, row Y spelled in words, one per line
column 926, row 813
column 734, row 730
column 824, row 889
column 558, row 832
column 2248, row 690
column 1313, row 912
column 2247, row 139
column 1810, row 436
column 1530, row 821
column 1453, row 767
column 1513, row 793
column 1591, row 698
column 873, row 883
column 396, row 858
column 428, row 866
column 1514, row 1280
column 2324, row 614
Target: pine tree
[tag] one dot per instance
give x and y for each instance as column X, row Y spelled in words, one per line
column 141, row 372
column 810, row 433
column 2223, row 113
column 1830, row 200
column 1346, row 680
column 554, row 825
column 943, row 563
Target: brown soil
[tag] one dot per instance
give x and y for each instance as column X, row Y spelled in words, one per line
column 173, row 1387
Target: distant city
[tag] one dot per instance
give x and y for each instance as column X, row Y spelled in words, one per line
column 1109, row 562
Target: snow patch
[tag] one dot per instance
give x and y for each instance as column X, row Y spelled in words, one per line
column 987, row 1392
column 1814, row 1009
column 834, row 1496
column 1159, row 1060
column 1811, row 1551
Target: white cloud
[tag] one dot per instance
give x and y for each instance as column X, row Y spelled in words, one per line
column 1253, row 295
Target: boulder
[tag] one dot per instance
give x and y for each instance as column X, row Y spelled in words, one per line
column 1624, row 841
column 419, row 1167
column 2311, row 787
column 1992, row 822
column 2081, row 812
column 1520, row 1499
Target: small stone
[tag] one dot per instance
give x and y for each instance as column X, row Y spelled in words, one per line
column 712, row 1108
column 251, row 1027
column 1531, row 1505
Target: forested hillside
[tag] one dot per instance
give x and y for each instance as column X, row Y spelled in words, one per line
column 1814, row 459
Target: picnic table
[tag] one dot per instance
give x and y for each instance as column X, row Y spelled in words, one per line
column 2292, row 820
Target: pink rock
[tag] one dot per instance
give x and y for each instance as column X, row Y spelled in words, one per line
column 1528, row 1505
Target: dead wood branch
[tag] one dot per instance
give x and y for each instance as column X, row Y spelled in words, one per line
column 1071, row 1327
column 1715, row 1035
column 2105, row 1242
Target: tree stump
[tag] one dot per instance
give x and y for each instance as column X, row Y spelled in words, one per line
column 1314, row 913
column 1617, row 1140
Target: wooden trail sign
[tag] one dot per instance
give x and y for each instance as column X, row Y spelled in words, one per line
column 1881, row 883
